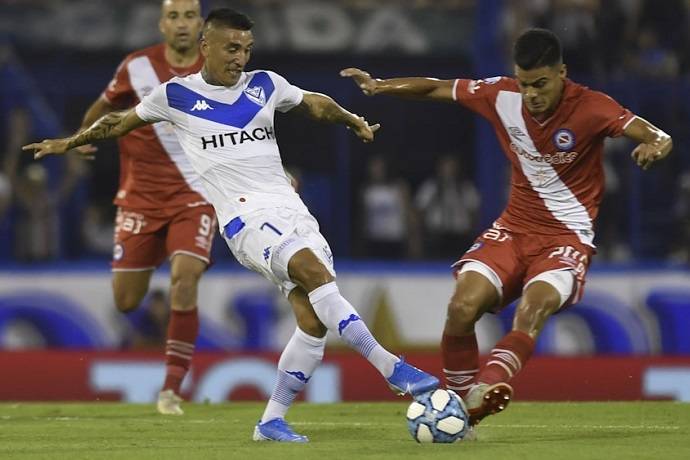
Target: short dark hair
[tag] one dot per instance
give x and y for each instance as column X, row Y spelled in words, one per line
column 536, row 48
column 229, row 18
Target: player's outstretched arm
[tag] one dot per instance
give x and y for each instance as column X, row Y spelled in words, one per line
column 412, row 87
column 654, row 145
column 114, row 124
column 99, row 108
column 324, row 108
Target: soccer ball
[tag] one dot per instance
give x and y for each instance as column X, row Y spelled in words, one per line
column 438, row 416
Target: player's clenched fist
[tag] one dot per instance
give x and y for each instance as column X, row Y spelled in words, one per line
column 363, row 79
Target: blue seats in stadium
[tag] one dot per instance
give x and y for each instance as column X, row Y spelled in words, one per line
column 61, row 322
column 258, row 311
column 672, row 308
column 213, row 337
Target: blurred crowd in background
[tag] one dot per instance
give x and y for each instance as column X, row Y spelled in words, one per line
column 416, row 192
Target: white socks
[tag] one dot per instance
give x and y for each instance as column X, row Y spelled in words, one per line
column 299, row 359
column 341, row 318
column 304, row 352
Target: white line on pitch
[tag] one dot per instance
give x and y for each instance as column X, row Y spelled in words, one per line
column 589, row 427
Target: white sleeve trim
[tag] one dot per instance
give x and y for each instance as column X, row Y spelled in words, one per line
column 455, row 87
column 628, row 122
column 140, row 112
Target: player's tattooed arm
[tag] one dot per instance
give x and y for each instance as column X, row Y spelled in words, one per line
column 111, row 125
column 655, row 144
column 412, row 87
column 99, row 108
column 324, row 108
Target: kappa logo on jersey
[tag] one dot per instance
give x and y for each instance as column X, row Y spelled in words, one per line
column 201, row 104
column 564, row 139
column 256, row 94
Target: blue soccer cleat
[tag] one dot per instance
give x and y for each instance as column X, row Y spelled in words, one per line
column 276, row 430
column 407, row 379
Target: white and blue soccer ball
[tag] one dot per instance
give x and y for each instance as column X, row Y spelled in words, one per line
column 438, row 416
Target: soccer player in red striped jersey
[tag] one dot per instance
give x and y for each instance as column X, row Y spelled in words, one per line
column 162, row 212
column 552, row 131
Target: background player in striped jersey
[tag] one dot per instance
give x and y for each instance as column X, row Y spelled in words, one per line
column 224, row 118
column 552, row 131
column 162, row 212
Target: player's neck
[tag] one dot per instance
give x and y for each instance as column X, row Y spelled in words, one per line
column 206, row 75
column 185, row 58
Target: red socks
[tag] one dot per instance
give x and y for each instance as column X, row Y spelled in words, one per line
column 183, row 329
column 507, row 358
column 460, row 362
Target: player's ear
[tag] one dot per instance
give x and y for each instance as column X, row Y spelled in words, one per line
column 203, row 46
column 563, row 73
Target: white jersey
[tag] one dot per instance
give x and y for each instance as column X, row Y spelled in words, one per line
column 228, row 135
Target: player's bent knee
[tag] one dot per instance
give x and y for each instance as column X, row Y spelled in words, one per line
column 531, row 314
column 309, row 273
column 464, row 308
column 126, row 302
column 183, row 291
column 129, row 288
column 185, row 280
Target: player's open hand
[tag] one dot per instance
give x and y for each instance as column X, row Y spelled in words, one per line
column 645, row 154
column 86, row 152
column 362, row 79
column 364, row 130
column 48, row 147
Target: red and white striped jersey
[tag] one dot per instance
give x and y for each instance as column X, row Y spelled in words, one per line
column 557, row 173
column 154, row 172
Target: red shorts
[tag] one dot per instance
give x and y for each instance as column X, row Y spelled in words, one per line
column 144, row 239
column 517, row 258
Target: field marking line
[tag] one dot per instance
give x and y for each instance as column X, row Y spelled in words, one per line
column 515, row 425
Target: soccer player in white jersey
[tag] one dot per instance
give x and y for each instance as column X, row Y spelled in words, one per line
column 223, row 118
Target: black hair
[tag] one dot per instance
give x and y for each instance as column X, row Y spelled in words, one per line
column 536, row 48
column 229, row 18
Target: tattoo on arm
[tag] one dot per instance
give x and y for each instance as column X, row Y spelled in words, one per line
column 324, row 108
column 106, row 127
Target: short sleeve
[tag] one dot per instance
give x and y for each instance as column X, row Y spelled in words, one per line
column 610, row 116
column 154, row 107
column 119, row 92
column 479, row 95
column 288, row 95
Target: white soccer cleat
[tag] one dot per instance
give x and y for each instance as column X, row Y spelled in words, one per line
column 484, row 399
column 169, row 403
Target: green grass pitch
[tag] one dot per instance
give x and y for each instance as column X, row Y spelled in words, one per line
column 534, row 431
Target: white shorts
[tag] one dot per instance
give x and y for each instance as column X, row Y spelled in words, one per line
column 561, row 280
column 265, row 240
